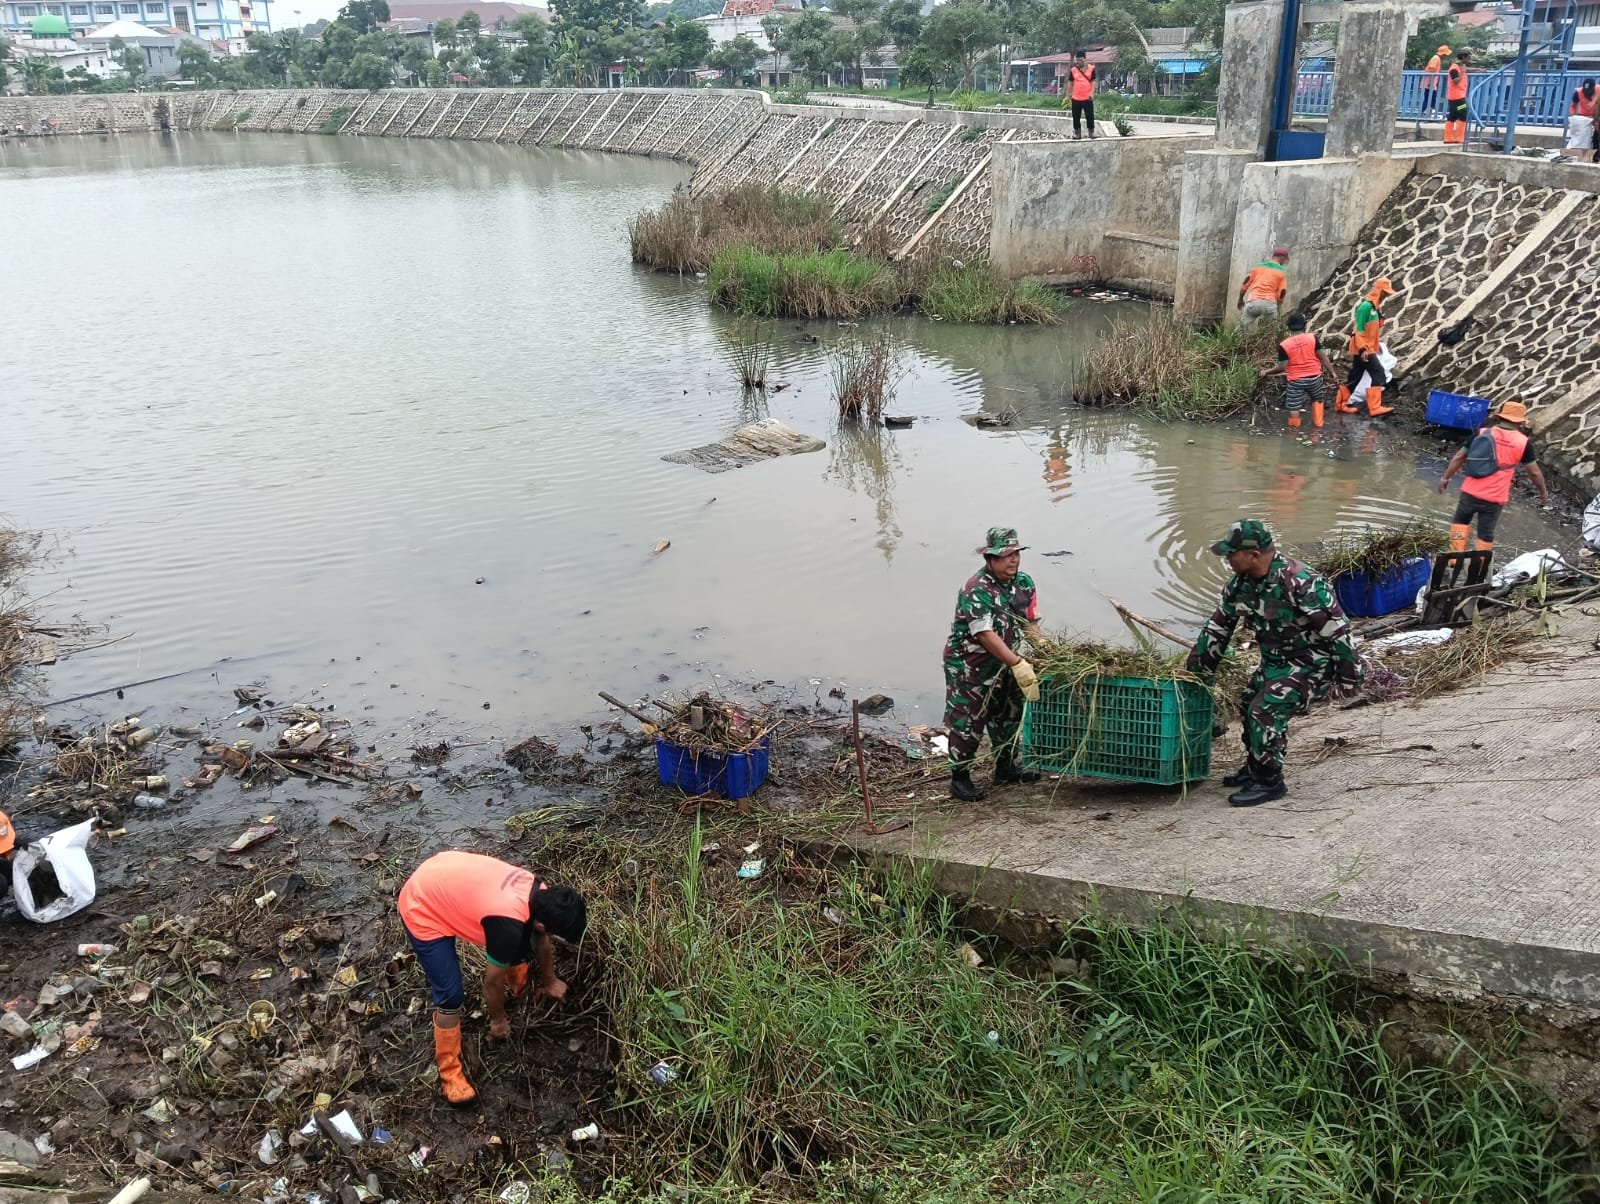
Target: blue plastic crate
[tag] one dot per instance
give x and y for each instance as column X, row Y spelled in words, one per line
column 696, row 771
column 1456, row 410
column 1129, row 729
column 1365, row 598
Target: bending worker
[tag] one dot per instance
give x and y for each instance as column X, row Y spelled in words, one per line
column 986, row 678
column 1489, row 461
column 1304, row 365
column 1305, row 651
column 508, row 912
column 1264, row 289
column 1455, row 114
column 1365, row 343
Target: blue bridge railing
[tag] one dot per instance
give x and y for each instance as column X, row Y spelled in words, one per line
column 1543, row 101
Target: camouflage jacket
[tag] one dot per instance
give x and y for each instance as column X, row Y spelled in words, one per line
column 985, row 603
column 1296, row 619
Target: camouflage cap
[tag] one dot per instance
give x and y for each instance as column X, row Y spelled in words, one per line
column 1246, row 535
column 1000, row 541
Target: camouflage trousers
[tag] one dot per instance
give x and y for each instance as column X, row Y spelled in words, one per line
column 973, row 704
column 1275, row 694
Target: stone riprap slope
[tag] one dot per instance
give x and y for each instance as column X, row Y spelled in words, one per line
column 1514, row 255
column 902, row 178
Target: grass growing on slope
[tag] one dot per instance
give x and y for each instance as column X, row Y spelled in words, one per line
column 834, row 1044
column 1162, row 365
column 812, row 284
column 687, row 232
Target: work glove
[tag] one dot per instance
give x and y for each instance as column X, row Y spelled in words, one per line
column 1027, row 679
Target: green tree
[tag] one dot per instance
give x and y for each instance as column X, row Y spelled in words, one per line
column 433, row 71
column 902, row 22
column 1433, row 32
column 369, row 71
column 445, row 36
column 194, row 62
column 686, row 10
column 336, row 48
column 528, row 59
column 810, row 42
column 469, row 27
column 5, row 54
column 867, row 37
column 133, row 65
column 596, row 29
column 415, row 59
column 494, row 61
column 684, row 46
column 736, row 59
column 958, row 33
column 364, row 16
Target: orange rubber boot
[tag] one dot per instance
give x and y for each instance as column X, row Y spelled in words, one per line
column 1317, row 413
column 447, row 1053
column 1375, row 406
column 1458, row 536
column 1341, row 401
column 517, row 981
column 1294, row 419
column 1483, row 545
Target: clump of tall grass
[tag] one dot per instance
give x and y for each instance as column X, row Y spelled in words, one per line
column 832, row 1043
column 1165, row 367
column 812, row 284
column 748, row 347
column 975, row 292
column 688, row 231
column 864, row 369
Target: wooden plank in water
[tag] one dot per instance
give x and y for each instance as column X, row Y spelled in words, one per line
column 747, row 445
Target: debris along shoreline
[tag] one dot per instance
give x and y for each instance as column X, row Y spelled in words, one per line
column 246, row 1017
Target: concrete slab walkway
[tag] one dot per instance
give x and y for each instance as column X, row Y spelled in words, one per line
column 1455, row 841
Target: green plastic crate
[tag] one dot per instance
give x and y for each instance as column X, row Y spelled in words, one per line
column 1130, row 729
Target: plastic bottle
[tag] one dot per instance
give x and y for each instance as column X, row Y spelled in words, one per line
column 149, row 802
column 142, row 737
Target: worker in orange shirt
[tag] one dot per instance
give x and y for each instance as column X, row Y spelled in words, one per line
column 1581, row 112
column 1264, row 289
column 1366, row 340
column 1081, row 77
column 1304, row 365
column 1430, row 80
column 1455, row 116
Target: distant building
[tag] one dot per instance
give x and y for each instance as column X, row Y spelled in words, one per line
column 743, row 17
column 158, row 46
column 49, row 38
column 205, row 19
column 495, row 14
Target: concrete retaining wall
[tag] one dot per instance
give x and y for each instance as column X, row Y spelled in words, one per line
column 906, row 178
column 1081, row 211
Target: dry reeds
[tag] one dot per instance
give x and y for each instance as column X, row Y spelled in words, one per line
column 865, row 369
column 1467, row 656
column 1168, row 369
column 1378, row 551
column 687, row 232
column 748, row 348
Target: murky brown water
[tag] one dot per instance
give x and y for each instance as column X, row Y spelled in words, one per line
column 284, row 399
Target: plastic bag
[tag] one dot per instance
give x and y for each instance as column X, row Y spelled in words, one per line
column 1358, row 395
column 1591, row 524
column 67, row 853
column 1529, row 565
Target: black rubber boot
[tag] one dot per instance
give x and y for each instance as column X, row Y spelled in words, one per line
column 1242, row 776
column 1262, row 790
column 1007, row 772
column 962, row 788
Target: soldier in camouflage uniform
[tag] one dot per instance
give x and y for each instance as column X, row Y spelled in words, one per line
column 1305, row 651
column 986, row 679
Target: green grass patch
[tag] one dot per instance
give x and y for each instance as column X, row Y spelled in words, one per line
column 685, row 234
column 810, row 284
column 334, row 121
column 1163, row 366
column 833, row 1043
column 978, row 293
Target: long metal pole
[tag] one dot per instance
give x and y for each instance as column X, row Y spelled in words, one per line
column 1286, row 83
column 1519, row 75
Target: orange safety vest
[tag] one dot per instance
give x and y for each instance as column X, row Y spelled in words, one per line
column 1082, row 83
column 1266, row 282
column 1435, row 65
column 1508, row 449
column 1457, row 88
column 1581, row 107
column 1302, row 352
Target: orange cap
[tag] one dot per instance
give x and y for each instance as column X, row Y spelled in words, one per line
column 8, row 835
column 1512, row 411
column 1381, row 287
column 1444, row 50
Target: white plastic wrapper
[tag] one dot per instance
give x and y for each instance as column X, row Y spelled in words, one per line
column 1591, row 524
column 1526, row 567
column 67, row 853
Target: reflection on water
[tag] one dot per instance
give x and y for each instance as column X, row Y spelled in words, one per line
column 288, row 398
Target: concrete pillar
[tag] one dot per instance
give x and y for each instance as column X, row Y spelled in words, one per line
column 1366, row 79
column 1251, row 34
column 1206, row 216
